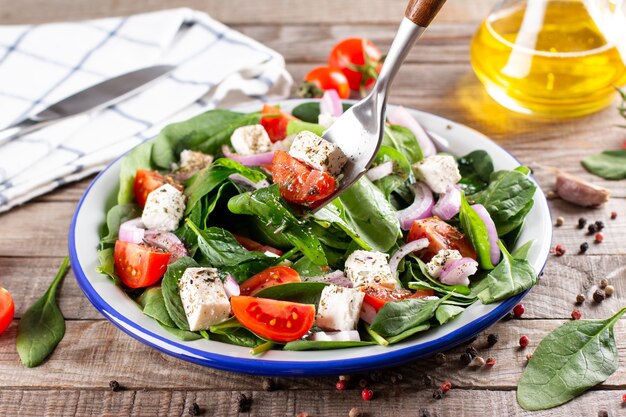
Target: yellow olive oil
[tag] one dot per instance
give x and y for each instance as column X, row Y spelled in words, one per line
column 550, row 60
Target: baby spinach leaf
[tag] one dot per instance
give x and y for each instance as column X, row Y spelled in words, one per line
column 42, row 327
column 510, row 277
column 138, row 157
column 299, row 345
column 401, row 169
column 298, row 292
column 306, row 268
column 446, row 312
column 238, row 336
column 310, row 111
column 476, row 230
column 115, row 217
column 408, row 333
column 184, row 335
column 522, row 251
column 371, row 215
column 171, row 296
column 454, row 290
column 107, row 265
column 404, row 141
column 334, row 213
column 226, row 326
column 475, row 168
column 267, row 205
column 153, row 305
column 571, row 359
column 397, row 317
column 610, row 165
column 296, row 126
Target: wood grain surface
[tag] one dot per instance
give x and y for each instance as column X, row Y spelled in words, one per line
column 437, row 78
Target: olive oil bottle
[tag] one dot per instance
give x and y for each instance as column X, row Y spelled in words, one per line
column 555, row 58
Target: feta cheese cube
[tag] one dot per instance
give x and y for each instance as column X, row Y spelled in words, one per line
column 339, row 308
column 251, row 140
column 204, row 298
column 164, row 208
column 190, row 163
column 318, row 153
column 438, row 262
column 439, row 172
column 364, row 268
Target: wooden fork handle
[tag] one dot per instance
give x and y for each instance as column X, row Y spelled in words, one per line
column 422, row 12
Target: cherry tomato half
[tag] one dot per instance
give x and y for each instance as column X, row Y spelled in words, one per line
column 275, row 125
column 441, row 236
column 378, row 296
column 359, row 60
column 280, row 321
column 251, row 245
column 7, row 309
column 297, row 182
column 327, row 78
column 274, row 275
column 147, row 181
column 139, row 265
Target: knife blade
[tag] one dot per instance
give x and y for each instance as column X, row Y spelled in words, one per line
column 93, row 98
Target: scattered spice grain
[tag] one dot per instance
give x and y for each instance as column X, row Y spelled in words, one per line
column 367, row 394
column 440, row 358
column 490, row 362
column 599, row 295
column 609, row 290
column 582, row 222
column 584, row 247
column 559, row 221
column 194, row 409
column 438, row 394
column 268, row 384
column 580, row 298
column 613, row 215
column 115, row 386
column 492, row 339
column 465, row 359
column 603, row 283
column 576, row 314
column 355, row 412
column 523, row 341
column 599, row 237
column 519, row 310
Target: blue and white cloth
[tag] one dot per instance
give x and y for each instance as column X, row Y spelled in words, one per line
column 39, row 65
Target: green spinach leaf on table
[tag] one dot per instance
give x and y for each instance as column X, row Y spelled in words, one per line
column 476, row 230
column 610, row 165
column 571, row 359
column 395, row 318
column 171, row 296
column 475, row 169
column 403, row 140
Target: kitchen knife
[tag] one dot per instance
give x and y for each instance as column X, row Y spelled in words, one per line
column 96, row 97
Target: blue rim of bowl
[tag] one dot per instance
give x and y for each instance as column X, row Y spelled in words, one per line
column 260, row 366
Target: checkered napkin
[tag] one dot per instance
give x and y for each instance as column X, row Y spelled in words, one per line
column 39, row 65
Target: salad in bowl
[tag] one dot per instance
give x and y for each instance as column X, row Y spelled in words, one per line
column 206, row 234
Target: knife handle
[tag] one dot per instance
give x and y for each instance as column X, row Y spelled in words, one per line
column 17, row 130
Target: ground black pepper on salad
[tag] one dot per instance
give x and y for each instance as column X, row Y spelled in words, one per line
column 206, row 236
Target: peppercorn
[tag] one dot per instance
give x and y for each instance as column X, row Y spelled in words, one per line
column 268, row 384
column 523, row 341
column 446, row 386
column 559, row 221
column 584, row 247
column 355, row 412
column 580, row 298
column 599, row 225
column 599, row 295
column 340, row 385
column 576, row 314
column 471, row 350
column 344, row 378
column 424, row 412
column 393, row 379
column 599, row 237
column 115, row 386
column 303, row 414
column 194, row 410
column 440, row 358
column 603, row 283
column 529, row 356
column 613, row 215
column 508, row 316
column 492, row 339
column 363, row 383
column 375, row 376
column 490, row 362
column 427, row 380
column 603, row 413
column 592, row 228
column 367, row 394
column 519, row 310
column 477, row 362
column 438, row 394
column 609, row 290
column 465, row 359
column 624, row 398
column 243, row 403
column 559, row 250
column 582, row 222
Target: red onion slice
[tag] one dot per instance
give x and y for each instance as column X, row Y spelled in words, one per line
column 249, row 160
column 458, row 271
column 367, row 313
column 331, row 103
column 492, row 232
column 340, row 336
column 422, row 206
column 167, row 241
column 449, row 204
column 131, row 231
column 400, row 116
column 335, row 277
column 404, row 250
column 231, row 287
column 380, row 171
column 248, row 183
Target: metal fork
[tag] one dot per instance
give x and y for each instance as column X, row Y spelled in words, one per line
column 359, row 131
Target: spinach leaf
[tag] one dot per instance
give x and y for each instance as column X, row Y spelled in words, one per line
column 476, row 230
column 115, row 217
column 510, row 277
column 171, row 296
column 298, row 345
column 107, row 265
column 508, row 199
column 407, row 333
column 266, row 204
column 401, row 169
column 138, row 157
column 403, row 140
column 522, row 251
column 238, row 336
column 310, row 111
column 610, row 165
column 226, row 326
column 306, row 268
column 184, row 335
column 298, row 292
column 371, row 215
column 335, row 214
column 42, row 327
column 153, row 305
column 206, row 132
column 573, row 358
column 475, row 168
column 296, row 126
column 454, row 290
column 446, row 312
column 395, row 318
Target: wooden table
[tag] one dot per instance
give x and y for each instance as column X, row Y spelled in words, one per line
column 436, row 78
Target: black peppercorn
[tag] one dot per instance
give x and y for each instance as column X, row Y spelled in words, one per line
column 438, row 394
column 583, row 247
column 115, row 386
column 194, row 410
column 243, row 403
column 424, row 412
column 471, row 350
column 492, row 339
column 268, row 384
column 603, row 413
column 363, row 383
column 599, row 295
column 440, row 358
column 427, row 380
column 582, row 222
column 465, row 359
column 592, row 228
column 599, row 225
column 580, row 298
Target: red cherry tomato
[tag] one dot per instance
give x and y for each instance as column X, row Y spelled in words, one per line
column 274, row 275
column 276, row 124
column 280, row 321
column 297, row 182
column 327, row 78
column 359, row 60
column 147, row 181
column 441, row 236
column 251, row 245
column 139, row 265
column 378, row 296
column 7, row 309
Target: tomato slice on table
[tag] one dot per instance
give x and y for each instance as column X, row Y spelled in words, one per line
column 274, row 275
column 147, row 181
column 327, row 78
column 297, row 182
column 275, row 125
column 358, row 59
column 378, row 296
column 280, row 321
column 7, row 309
column 139, row 265
column 441, row 235
column 251, row 245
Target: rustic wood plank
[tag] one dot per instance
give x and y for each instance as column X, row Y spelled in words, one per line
column 239, row 11
column 95, row 352
column 389, row 402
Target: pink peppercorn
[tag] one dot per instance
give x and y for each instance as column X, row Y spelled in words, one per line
column 340, row 385
column 523, row 341
column 599, row 237
column 490, row 362
column 613, row 215
column 367, row 394
column 576, row 314
column 519, row 310
column 446, row 386
column 559, row 250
